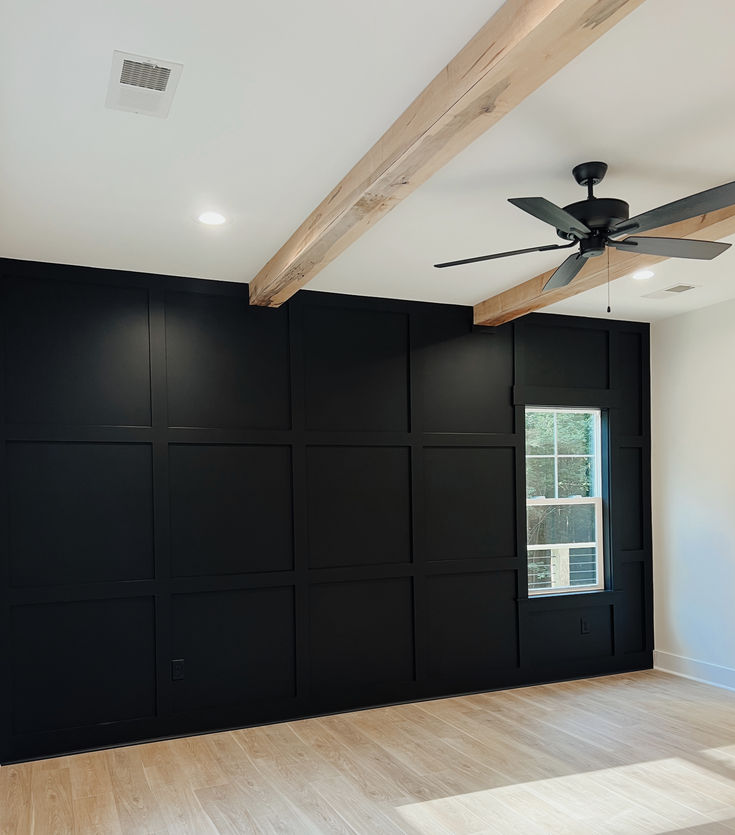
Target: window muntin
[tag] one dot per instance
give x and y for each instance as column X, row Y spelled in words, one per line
column 564, row 500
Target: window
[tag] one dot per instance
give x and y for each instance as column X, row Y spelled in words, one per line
column 564, row 500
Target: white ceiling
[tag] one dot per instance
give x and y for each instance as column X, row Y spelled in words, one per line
column 278, row 100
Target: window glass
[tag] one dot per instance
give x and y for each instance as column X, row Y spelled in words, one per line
column 540, row 477
column 553, row 524
column 575, row 433
column 539, row 433
column 576, row 477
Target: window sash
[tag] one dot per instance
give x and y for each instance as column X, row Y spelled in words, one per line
column 568, row 546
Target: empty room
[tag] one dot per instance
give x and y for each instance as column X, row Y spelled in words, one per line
column 364, row 369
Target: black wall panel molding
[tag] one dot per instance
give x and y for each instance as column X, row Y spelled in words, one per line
column 545, row 353
column 79, row 513
column 230, row 509
column 91, row 367
column 569, row 634
column 630, row 524
column 227, row 363
column 563, row 396
column 308, row 509
column 470, row 501
column 451, row 402
column 472, row 646
column 355, row 369
column 361, row 635
column 254, row 633
column 92, row 651
column 359, row 505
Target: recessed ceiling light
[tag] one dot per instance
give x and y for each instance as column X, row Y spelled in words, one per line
column 212, row 218
column 642, row 275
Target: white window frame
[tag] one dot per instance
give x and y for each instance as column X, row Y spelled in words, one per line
column 595, row 500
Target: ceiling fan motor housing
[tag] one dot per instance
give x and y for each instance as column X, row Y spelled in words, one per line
column 598, row 214
column 593, row 245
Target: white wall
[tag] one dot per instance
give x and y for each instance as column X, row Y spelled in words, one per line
column 693, row 487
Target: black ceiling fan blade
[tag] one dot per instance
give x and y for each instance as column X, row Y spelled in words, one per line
column 564, row 274
column 505, row 254
column 672, row 247
column 696, row 204
column 549, row 212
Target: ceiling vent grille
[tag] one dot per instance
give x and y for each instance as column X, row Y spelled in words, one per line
column 150, row 76
column 142, row 85
column 668, row 292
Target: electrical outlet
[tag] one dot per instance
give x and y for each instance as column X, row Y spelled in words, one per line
column 177, row 669
column 584, row 626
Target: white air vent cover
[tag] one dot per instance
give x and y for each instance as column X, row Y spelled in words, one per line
column 669, row 291
column 142, row 85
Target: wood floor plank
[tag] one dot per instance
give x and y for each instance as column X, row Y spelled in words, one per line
column 52, row 810
column 405, row 747
column 229, row 754
column 90, row 775
column 406, row 784
column 292, row 759
column 200, row 761
column 136, row 806
column 309, row 805
column 369, row 781
column 96, row 815
column 536, row 811
column 272, row 810
column 492, row 814
column 229, row 810
column 362, row 813
column 15, row 799
column 650, row 799
column 514, row 760
column 182, row 811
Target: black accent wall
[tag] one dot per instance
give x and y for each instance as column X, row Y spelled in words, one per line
column 314, row 508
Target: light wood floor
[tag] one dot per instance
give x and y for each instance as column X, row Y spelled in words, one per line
column 644, row 752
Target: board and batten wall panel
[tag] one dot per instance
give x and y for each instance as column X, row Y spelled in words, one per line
column 215, row 515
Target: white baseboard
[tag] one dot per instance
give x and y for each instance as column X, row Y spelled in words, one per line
column 692, row 668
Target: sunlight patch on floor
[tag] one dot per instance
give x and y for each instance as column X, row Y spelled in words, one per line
column 658, row 796
column 724, row 756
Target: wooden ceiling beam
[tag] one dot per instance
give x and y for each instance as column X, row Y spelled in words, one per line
column 518, row 49
column 529, row 296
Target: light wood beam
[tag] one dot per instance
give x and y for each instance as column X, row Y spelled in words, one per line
column 527, row 297
column 518, row 49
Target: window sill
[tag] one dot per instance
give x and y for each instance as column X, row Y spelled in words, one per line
column 571, row 600
column 565, row 592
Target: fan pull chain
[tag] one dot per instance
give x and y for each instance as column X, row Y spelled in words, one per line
column 608, row 280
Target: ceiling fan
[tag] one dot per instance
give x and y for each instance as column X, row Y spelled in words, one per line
column 595, row 223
